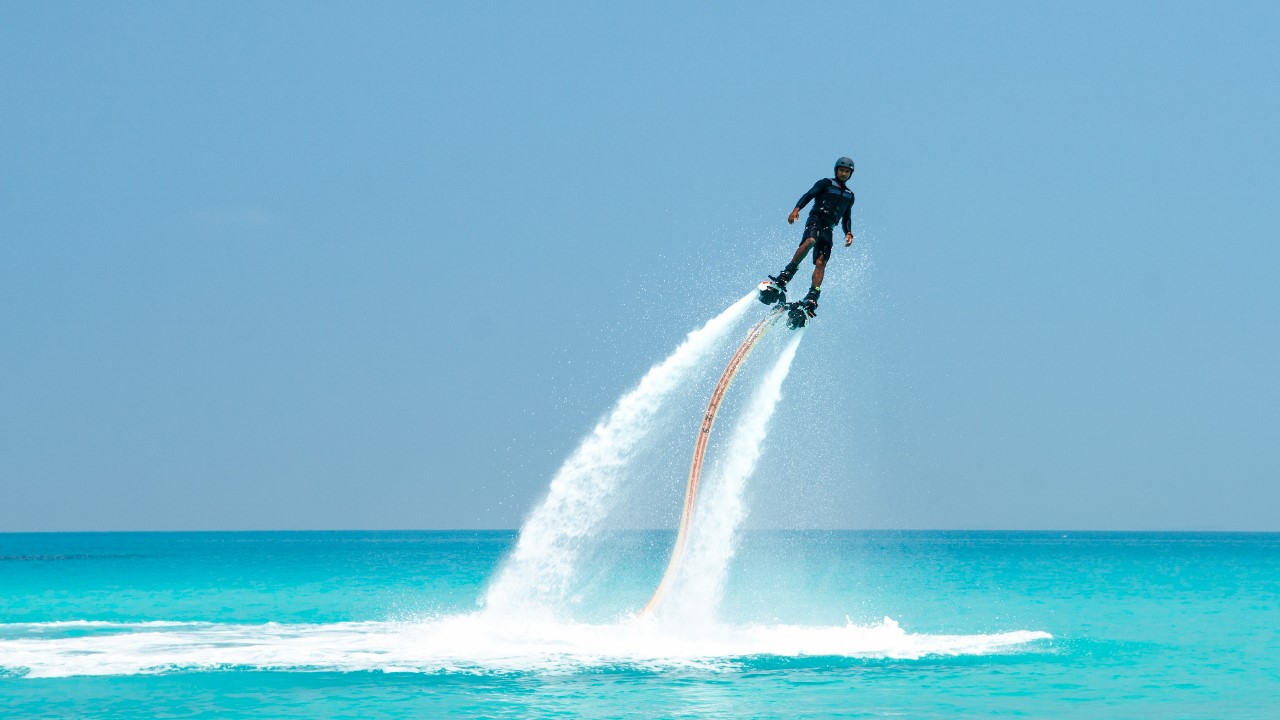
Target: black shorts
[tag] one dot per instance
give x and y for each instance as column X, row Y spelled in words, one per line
column 822, row 240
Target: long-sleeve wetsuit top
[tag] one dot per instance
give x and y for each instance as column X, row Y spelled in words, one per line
column 832, row 203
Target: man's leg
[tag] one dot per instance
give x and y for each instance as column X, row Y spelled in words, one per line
column 819, row 270
column 801, row 252
column 790, row 270
column 821, row 254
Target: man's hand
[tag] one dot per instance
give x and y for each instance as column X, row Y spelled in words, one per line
column 848, row 239
column 791, row 219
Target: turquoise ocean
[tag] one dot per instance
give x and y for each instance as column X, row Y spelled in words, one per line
column 815, row 624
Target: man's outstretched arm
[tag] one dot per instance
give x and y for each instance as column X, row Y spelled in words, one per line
column 804, row 200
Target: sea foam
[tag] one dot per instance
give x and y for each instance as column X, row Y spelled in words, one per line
column 476, row 643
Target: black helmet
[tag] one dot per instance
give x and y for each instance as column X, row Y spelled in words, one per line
column 845, row 162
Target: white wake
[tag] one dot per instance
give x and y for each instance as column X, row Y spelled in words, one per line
column 477, row 643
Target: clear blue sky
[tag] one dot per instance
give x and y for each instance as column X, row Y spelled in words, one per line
column 376, row 265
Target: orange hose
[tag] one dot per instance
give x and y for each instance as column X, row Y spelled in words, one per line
column 700, row 449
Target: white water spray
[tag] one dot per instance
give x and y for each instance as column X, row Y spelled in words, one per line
column 698, row 589
column 474, row 644
column 536, row 576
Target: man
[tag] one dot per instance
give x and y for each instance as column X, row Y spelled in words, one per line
column 832, row 202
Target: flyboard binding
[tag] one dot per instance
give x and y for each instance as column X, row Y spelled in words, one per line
column 798, row 313
column 774, row 290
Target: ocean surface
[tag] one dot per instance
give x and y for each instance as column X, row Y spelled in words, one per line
column 810, row 624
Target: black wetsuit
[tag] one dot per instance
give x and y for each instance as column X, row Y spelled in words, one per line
column 832, row 203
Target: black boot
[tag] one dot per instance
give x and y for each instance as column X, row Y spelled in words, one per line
column 810, row 301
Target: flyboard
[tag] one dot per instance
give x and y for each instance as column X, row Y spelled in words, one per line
column 704, row 434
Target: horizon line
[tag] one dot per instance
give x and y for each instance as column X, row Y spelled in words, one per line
column 1202, row 531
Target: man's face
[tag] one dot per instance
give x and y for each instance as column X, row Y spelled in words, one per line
column 843, row 174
